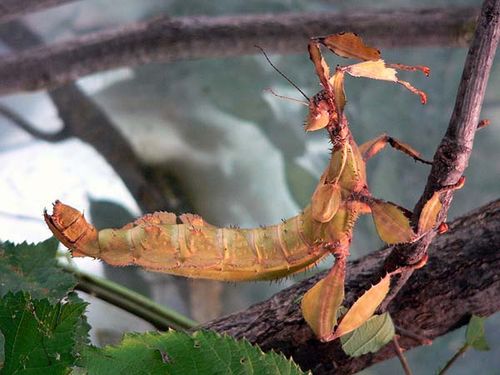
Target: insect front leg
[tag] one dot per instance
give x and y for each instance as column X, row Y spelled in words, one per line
column 374, row 146
column 321, row 303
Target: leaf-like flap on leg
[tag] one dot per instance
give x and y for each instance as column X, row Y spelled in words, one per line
column 337, row 82
column 392, row 222
column 373, row 146
column 325, row 201
column 321, row 302
column 349, row 45
column 364, row 307
column 374, row 70
column 322, row 69
column 428, row 216
column 379, row 70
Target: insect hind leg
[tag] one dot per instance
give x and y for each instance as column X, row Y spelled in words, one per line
column 374, row 146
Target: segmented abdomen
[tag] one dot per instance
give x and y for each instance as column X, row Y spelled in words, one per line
column 214, row 253
column 194, row 248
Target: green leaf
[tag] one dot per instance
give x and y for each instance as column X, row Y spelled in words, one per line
column 82, row 328
column 370, row 337
column 474, row 335
column 33, row 268
column 39, row 336
column 2, row 350
column 173, row 352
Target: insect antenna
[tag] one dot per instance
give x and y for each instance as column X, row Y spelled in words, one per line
column 282, row 74
column 287, row 97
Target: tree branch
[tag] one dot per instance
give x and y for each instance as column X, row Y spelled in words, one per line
column 452, row 155
column 32, row 130
column 461, row 279
column 83, row 119
column 167, row 39
column 10, row 9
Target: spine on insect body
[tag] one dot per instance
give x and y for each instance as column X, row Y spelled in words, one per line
column 195, row 248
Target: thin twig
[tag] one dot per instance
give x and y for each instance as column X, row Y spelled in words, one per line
column 168, row 39
column 452, row 360
column 137, row 304
column 419, row 338
column 399, row 353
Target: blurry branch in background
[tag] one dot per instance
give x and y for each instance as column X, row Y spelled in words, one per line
column 82, row 118
column 10, row 9
column 162, row 318
column 168, row 39
column 17, row 120
column 460, row 279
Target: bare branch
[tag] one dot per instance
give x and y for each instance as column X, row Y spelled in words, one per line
column 452, row 155
column 168, row 39
column 10, row 9
column 30, row 129
column 460, row 279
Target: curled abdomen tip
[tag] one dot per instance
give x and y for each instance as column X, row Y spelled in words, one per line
column 70, row 227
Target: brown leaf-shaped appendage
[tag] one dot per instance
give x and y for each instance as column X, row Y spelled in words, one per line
column 379, row 70
column 322, row 69
column 337, row 82
column 429, row 214
column 363, row 308
column 373, row 69
column 325, row 201
column 320, row 304
column 392, row 222
column 349, row 45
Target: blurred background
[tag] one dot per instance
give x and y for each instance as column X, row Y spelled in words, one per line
column 217, row 144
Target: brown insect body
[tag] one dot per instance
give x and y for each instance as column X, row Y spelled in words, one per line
column 200, row 250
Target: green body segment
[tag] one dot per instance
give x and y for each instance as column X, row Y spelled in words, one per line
column 205, row 251
column 200, row 250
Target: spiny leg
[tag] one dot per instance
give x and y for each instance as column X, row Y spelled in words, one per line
column 372, row 147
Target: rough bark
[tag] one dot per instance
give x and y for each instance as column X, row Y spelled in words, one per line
column 10, row 9
column 167, row 39
column 460, row 279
